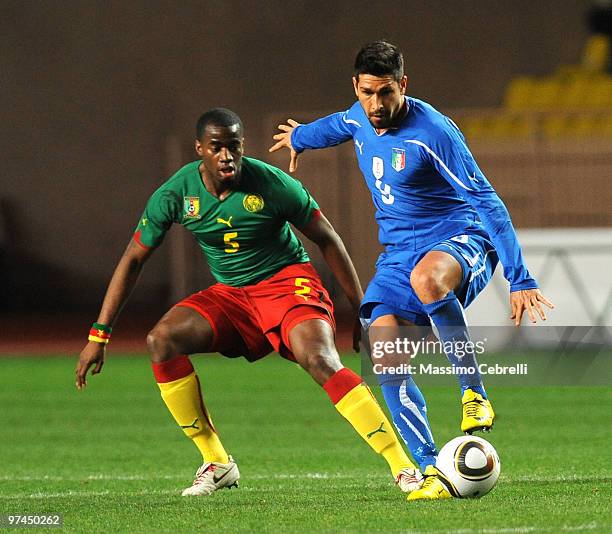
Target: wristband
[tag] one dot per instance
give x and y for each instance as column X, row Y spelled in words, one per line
column 100, row 333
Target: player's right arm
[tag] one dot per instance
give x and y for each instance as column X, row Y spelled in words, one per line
column 119, row 289
column 322, row 133
column 163, row 209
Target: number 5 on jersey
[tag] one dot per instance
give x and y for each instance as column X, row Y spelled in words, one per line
column 231, row 246
column 302, row 289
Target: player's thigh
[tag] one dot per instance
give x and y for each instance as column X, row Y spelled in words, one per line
column 478, row 259
column 181, row 330
column 393, row 337
column 313, row 347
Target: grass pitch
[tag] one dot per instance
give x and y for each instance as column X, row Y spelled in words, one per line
column 111, row 459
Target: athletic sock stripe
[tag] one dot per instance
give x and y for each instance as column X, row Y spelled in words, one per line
column 171, row 370
column 340, row 383
column 407, row 403
column 414, row 429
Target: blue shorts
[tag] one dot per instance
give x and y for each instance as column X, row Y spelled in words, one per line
column 390, row 291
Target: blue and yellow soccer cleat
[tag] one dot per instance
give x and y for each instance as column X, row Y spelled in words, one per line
column 477, row 412
column 433, row 488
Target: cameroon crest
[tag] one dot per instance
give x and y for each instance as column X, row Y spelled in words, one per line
column 191, row 206
column 253, row 203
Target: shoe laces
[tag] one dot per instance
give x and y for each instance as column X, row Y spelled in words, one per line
column 203, row 472
column 429, row 480
column 471, row 408
column 409, row 474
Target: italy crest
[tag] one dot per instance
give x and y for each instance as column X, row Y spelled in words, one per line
column 191, row 206
column 398, row 159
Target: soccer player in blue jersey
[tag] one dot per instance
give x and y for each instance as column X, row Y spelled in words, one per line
column 443, row 227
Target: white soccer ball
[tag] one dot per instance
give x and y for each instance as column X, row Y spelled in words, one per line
column 468, row 466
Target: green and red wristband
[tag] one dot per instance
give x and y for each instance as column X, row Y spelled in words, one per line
column 100, row 333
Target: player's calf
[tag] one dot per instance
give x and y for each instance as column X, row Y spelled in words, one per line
column 356, row 403
column 312, row 344
column 313, row 347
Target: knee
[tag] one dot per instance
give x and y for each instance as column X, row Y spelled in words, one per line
column 429, row 285
column 160, row 344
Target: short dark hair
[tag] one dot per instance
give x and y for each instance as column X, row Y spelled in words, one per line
column 217, row 117
column 379, row 58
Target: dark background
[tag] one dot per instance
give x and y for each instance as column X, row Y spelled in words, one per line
column 92, row 91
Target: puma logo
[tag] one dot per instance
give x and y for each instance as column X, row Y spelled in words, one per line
column 223, row 221
column 379, row 429
column 359, row 146
column 192, row 425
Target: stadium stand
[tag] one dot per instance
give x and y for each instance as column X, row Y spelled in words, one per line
column 573, row 102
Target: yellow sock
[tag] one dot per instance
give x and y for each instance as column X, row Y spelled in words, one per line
column 360, row 408
column 184, row 400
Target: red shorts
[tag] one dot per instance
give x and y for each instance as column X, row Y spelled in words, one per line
column 254, row 320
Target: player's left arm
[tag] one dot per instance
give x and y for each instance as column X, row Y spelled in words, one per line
column 320, row 231
column 453, row 160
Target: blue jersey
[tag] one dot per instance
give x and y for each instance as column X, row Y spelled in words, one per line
column 425, row 183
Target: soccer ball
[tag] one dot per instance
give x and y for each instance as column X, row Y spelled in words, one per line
column 468, row 466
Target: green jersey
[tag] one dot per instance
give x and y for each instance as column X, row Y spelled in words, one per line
column 246, row 236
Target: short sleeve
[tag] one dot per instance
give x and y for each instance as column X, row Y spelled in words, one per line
column 296, row 203
column 159, row 214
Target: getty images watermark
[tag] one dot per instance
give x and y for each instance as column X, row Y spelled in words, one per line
column 504, row 355
column 398, row 357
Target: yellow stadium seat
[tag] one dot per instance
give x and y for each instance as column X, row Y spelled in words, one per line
column 507, row 126
column 596, row 53
column 545, row 94
column 533, row 94
column 518, row 93
column 474, row 127
column 523, row 126
column 600, row 93
column 500, row 126
column 574, row 93
column 584, row 126
column 555, row 126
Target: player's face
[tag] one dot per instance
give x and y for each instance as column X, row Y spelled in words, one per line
column 382, row 98
column 221, row 150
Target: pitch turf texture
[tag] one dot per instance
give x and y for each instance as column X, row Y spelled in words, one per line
column 111, row 459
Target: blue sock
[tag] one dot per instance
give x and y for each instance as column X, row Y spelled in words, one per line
column 447, row 316
column 409, row 413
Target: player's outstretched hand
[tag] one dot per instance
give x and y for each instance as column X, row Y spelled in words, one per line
column 92, row 354
column 283, row 140
column 528, row 300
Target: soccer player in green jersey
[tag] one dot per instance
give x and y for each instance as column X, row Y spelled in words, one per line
column 267, row 296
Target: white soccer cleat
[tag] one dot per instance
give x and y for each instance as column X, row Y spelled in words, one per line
column 409, row 479
column 212, row 476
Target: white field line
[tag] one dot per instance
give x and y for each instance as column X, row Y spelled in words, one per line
column 276, row 476
column 526, row 529
column 281, row 476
